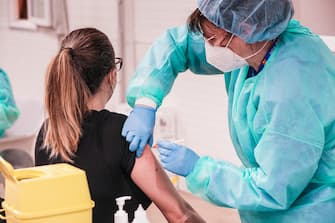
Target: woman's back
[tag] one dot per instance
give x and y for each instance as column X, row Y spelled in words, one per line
column 103, row 153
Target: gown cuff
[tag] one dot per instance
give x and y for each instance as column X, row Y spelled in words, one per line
column 197, row 181
column 146, row 102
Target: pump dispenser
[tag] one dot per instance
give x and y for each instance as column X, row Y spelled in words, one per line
column 121, row 216
column 140, row 215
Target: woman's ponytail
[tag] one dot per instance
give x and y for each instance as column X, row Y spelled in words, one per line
column 66, row 103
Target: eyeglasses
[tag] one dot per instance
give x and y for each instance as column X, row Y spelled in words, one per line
column 118, row 63
column 222, row 40
column 210, row 38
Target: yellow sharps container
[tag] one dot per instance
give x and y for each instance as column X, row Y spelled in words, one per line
column 56, row 193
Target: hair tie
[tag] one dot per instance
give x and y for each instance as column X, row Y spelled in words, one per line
column 70, row 49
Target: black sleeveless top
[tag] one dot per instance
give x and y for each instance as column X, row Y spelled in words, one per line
column 104, row 155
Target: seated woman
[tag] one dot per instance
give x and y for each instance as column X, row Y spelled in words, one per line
column 79, row 130
column 8, row 109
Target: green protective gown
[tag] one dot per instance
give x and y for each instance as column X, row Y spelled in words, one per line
column 8, row 110
column 282, row 124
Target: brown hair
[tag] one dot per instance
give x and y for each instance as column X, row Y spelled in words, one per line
column 85, row 58
column 194, row 21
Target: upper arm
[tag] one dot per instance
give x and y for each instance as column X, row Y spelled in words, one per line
column 148, row 174
column 172, row 53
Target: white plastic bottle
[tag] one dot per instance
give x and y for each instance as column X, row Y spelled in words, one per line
column 120, row 215
column 140, row 215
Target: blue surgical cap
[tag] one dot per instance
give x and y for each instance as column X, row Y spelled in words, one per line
column 251, row 20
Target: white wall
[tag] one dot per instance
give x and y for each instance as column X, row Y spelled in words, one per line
column 24, row 55
column 200, row 102
column 319, row 15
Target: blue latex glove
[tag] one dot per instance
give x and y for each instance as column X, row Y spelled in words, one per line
column 139, row 127
column 176, row 158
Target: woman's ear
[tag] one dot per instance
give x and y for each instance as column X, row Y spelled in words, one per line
column 112, row 77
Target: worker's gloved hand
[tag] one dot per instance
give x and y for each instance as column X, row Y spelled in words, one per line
column 139, row 127
column 176, row 158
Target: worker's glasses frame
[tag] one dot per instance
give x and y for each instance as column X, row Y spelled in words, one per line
column 118, row 63
column 220, row 40
column 210, row 38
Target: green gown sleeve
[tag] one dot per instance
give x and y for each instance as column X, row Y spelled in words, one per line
column 174, row 52
column 8, row 110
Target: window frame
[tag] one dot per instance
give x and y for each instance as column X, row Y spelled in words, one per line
column 32, row 22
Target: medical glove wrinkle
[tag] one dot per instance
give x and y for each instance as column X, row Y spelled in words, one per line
column 138, row 128
column 176, row 158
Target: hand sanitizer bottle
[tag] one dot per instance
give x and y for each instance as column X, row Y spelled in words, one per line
column 121, row 216
column 140, row 215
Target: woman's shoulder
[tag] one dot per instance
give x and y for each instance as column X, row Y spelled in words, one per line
column 105, row 122
column 299, row 43
column 299, row 59
column 107, row 116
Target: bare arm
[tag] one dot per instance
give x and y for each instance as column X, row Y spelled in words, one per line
column 153, row 181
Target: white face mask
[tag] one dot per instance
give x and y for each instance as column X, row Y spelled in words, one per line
column 224, row 58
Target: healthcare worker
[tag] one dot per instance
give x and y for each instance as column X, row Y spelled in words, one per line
column 8, row 109
column 280, row 80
